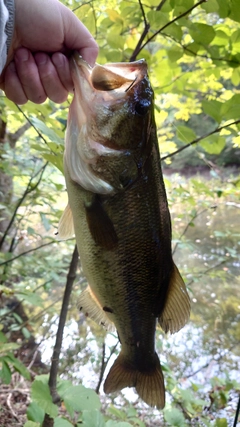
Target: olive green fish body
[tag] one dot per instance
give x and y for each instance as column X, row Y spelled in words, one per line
column 122, row 225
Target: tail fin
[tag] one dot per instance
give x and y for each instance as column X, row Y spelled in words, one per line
column 149, row 385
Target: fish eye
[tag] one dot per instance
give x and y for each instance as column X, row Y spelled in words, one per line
column 142, row 107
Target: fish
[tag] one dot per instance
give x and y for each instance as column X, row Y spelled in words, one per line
column 118, row 210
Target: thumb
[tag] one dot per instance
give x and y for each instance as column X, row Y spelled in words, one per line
column 77, row 36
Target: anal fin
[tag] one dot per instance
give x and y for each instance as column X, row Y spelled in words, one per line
column 89, row 305
column 148, row 384
column 176, row 310
column 66, row 227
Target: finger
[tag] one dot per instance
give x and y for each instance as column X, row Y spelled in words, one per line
column 77, row 36
column 28, row 74
column 12, row 85
column 61, row 64
column 50, row 79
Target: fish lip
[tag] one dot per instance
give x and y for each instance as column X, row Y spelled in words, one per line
column 131, row 72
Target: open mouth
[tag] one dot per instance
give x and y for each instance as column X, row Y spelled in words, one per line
column 116, row 77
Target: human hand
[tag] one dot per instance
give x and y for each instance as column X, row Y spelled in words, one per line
column 45, row 34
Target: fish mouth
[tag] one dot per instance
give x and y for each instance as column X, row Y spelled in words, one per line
column 112, row 80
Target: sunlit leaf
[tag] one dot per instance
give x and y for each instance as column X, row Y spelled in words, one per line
column 213, row 144
column 41, row 394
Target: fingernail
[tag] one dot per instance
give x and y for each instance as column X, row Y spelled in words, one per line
column 22, row 55
column 57, row 60
column 41, row 58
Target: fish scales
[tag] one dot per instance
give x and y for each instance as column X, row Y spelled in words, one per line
column 119, row 210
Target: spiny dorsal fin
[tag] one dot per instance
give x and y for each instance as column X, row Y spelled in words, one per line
column 89, row 305
column 176, row 310
column 66, row 228
column 100, row 225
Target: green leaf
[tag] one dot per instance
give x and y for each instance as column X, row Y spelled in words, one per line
column 6, row 347
column 18, row 366
column 46, row 131
column 116, row 412
column 157, row 19
column 31, row 424
column 221, row 422
column 92, row 419
column 31, row 298
column 185, row 134
column 111, row 423
column 61, row 422
column 56, row 160
column 174, row 417
column 174, row 54
column 41, row 394
column 235, row 10
column 223, row 8
column 202, row 33
column 213, row 144
column 79, row 398
column 35, row 413
column 212, row 108
column 5, row 373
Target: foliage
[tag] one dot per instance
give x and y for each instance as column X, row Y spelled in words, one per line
column 192, row 51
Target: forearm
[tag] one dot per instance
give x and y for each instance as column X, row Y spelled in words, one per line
column 6, row 29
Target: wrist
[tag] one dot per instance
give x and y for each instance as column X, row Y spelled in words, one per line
column 9, row 29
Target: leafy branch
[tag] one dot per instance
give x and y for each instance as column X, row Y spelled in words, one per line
column 200, row 138
column 141, row 46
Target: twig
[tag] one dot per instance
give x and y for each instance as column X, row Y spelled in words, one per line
column 27, row 252
column 30, row 188
column 58, row 343
column 237, row 413
column 10, row 406
column 103, row 366
column 197, row 214
column 161, row 4
column 195, row 141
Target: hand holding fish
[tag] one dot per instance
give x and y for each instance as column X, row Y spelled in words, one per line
column 45, row 33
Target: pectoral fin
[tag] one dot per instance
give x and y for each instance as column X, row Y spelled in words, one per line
column 66, row 228
column 89, row 305
column 176, row 310
column 100, row 225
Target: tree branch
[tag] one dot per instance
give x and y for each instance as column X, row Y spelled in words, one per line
column 58, row 343
column 195, row 141
column 138, row 48
column 144, row 33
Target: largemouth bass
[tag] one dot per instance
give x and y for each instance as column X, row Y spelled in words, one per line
column 118, row 209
